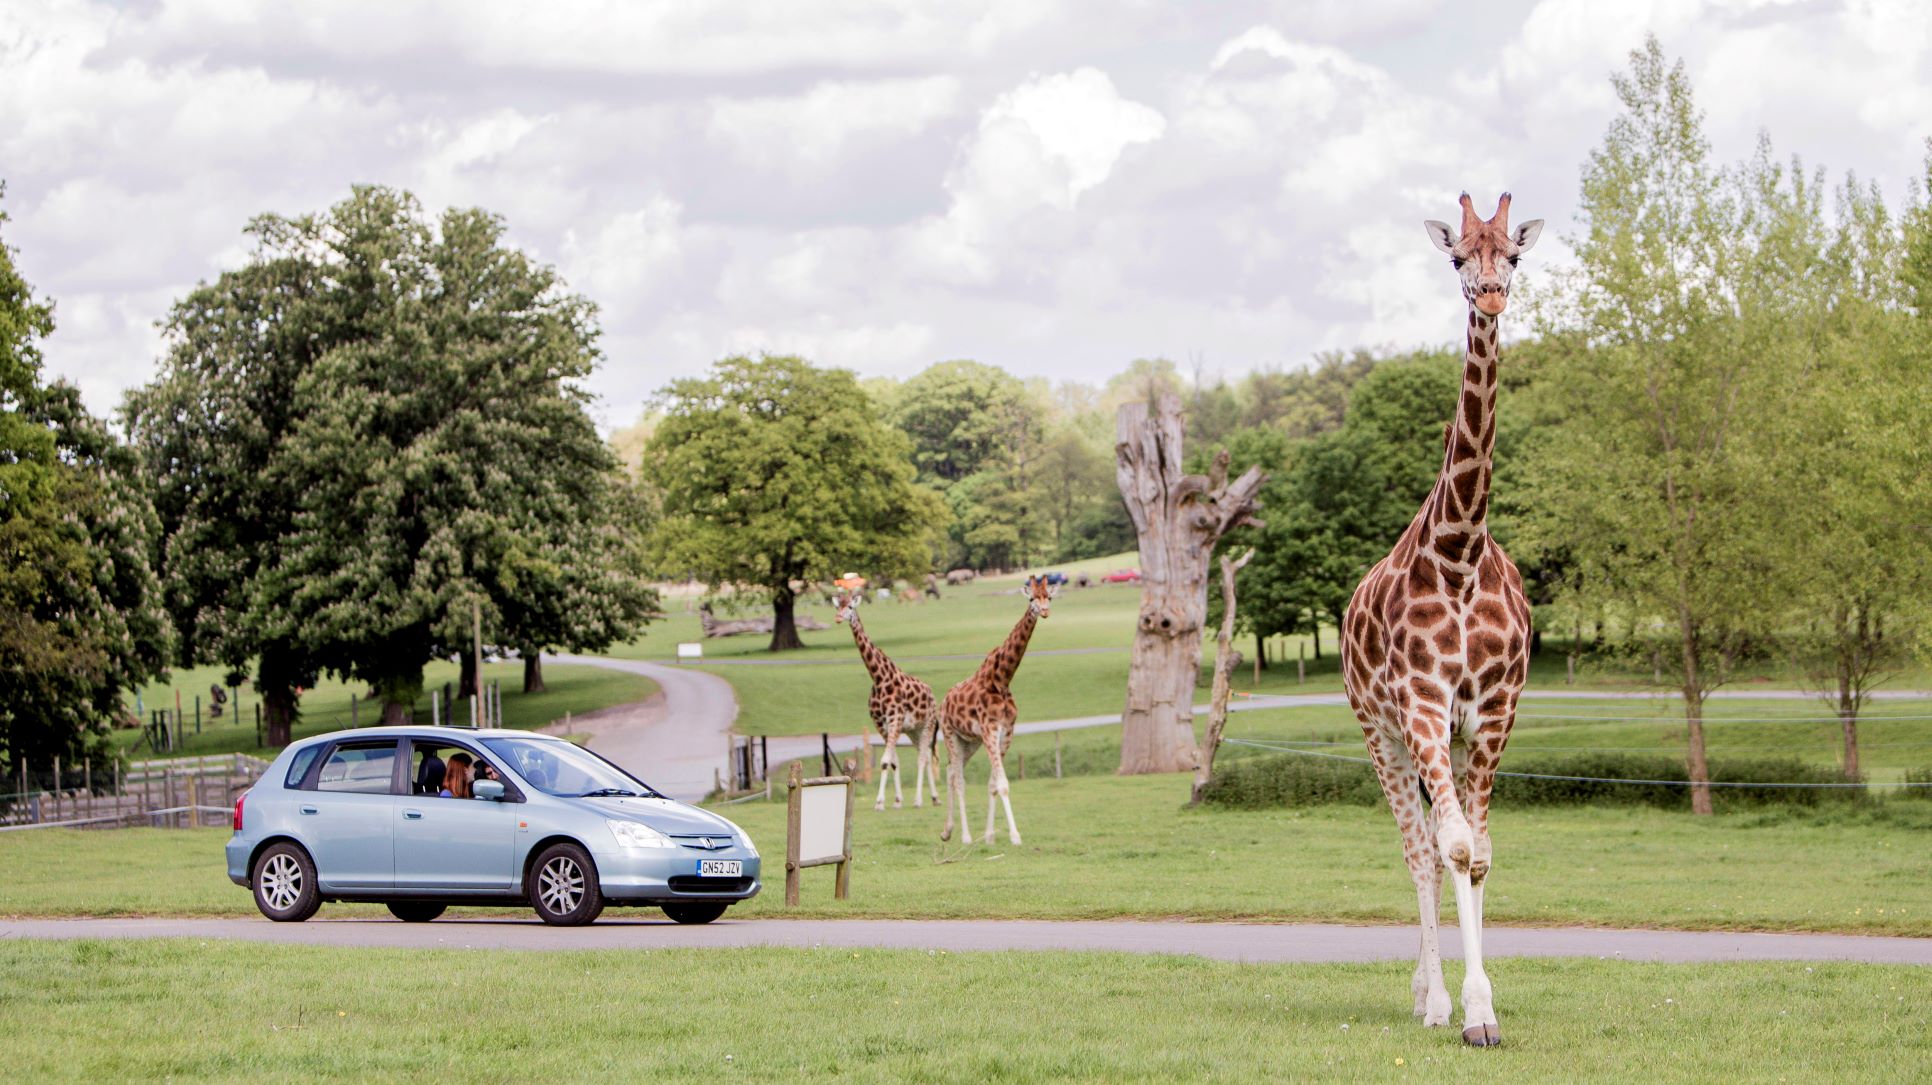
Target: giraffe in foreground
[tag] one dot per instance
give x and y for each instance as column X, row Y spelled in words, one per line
column 900, row 704
column 980, row 712
column 1435, row 644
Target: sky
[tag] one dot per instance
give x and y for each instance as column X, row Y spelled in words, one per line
column 1052, row 186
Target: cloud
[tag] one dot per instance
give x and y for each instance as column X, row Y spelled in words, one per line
column 814, row 128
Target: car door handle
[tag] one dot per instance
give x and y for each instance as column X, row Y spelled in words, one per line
column 308, row 810
column 413, row 815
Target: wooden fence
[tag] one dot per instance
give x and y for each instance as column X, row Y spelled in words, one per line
column 170, row 793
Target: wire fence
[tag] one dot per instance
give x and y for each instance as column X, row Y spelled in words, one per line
column 1285, row 747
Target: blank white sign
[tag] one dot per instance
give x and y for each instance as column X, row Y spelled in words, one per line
column 690, row 650
column 821, row 822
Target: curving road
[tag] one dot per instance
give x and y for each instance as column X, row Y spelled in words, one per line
column 675, row 742
column 1247, row 942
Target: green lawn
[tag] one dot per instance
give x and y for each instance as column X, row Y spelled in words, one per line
column 824, row 687
column 90, row 1011
column 572, row 689
column 1101, row 846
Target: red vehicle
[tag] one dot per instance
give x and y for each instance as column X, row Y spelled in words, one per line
column 1122, row 576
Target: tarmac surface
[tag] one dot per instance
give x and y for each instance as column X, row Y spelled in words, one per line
column 1245, row 942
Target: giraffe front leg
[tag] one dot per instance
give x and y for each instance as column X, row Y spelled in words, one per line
column 1396, row 771
column 1480, row 1027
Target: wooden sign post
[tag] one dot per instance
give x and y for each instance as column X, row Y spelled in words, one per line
column 818, row 829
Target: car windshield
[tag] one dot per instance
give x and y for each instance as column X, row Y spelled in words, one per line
column 555, row 767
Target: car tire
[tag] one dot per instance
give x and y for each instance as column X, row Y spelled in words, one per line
column 563, row 886
column 695, row 912
column 284, row 881
column 416, row 911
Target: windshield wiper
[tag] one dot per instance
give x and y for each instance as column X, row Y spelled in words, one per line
column 602, row 791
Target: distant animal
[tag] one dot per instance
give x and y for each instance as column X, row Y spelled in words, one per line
column 980, row 712
column 1082, row 580
column 932, row 586
column 961, row 576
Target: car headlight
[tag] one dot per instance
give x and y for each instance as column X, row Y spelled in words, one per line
column 636, row 834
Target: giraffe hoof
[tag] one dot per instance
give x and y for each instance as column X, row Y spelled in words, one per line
column 878, row 806
column 1482, row 1035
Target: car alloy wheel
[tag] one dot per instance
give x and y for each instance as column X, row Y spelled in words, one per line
column 563, row 886
column 285, row 888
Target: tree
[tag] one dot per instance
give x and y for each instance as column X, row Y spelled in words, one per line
column 1654, row 482
column 81, row 621
column 774, row 472
column 1178, row 519
column 374, row 429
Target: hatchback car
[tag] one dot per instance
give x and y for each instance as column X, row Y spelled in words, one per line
column 422, row 818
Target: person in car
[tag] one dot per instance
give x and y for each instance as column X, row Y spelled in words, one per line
column 456, row 780
column 484, row 771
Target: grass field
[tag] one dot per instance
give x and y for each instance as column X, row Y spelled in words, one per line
column 219, row 1012
column 823, row 687
column 573, row 690
column 1102, row 846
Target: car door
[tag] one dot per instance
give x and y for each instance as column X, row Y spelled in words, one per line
column 454, row 845
column 347, row 808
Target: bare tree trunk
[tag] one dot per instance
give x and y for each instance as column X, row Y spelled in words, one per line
column 1178, row 518
column 1223, row 676
column 784, row 626
column 1848, row 719
column 1700, row 769
column 466, row 678
column 533, row 670
column 278, row 715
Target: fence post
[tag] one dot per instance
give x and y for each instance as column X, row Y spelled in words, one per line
column 194, row 802
column 87, row 784
column 56, row 789
column 1301, row 663
column 825, row 740
column 1056, row 755
column 197, row 713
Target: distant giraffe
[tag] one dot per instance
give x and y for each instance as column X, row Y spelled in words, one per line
column 1436, row 644
column 980, row 712
column 900, row 704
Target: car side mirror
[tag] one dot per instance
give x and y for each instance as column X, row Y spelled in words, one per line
column 488, row 790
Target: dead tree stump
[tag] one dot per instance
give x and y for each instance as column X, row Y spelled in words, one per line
column 1179, row 518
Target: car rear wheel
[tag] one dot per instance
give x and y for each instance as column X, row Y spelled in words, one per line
column 284, row 880
column 416, row 911
column 563, row 886
column 695, row 912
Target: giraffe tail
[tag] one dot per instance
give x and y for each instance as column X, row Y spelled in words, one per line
column 1423, row 790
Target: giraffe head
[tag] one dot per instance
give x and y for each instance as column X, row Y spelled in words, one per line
column 1485, row 253
column 847, row 608
column 1040, row 595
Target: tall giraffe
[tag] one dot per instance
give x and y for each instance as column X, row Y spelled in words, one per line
column 1436, row 644
column 980, row 712
column 900, row 704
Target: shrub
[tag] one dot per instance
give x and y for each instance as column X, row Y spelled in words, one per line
column 1921, row 777
column 1299, row 780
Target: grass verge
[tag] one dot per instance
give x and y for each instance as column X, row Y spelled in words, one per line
column 103, row 1011
column 1101, row 847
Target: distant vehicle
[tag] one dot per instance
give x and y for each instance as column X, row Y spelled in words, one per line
column 1122, row 576
column 345, row 817
column 1056, row 579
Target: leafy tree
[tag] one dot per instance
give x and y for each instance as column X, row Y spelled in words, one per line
column 773, row 472
column 81, row 620
column 1654, row 483
column 962, row 418
column 389, row 416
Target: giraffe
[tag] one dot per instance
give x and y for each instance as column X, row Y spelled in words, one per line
column 900, row 704
column 980, row 712
column 1436, row 639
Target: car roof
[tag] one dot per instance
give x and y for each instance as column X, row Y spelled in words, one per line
column 413, row 731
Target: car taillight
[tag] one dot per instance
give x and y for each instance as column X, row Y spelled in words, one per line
column 239, row 799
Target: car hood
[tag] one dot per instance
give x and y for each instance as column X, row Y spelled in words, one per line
column 665, row 815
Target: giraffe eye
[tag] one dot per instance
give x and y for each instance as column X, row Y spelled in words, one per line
column 1457, row 262
column 1514, row 260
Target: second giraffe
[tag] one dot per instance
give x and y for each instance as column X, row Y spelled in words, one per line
column 980, row 712
column 900, row 704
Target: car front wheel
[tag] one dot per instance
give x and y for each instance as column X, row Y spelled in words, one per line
column 695, row 912
column 284, row 880
column 416, row 911
column 563, row 886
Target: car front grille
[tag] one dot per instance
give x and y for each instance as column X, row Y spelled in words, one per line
column 714, row 842
column 687, row 883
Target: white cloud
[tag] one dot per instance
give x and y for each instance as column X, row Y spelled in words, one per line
column 815, row 127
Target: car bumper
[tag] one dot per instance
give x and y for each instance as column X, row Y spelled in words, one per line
column 238, row 850
column 661, row 874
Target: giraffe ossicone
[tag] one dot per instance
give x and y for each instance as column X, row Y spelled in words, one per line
column 1435, row 642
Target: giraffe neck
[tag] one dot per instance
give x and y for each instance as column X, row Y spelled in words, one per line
column 1457, row 512
column 1001, row 662
column 876, row 662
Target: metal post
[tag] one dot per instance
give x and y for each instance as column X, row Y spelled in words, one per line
column 826, row 741
column 476, row 632
column 197, row 713
column 1056, row 755
column 764, row 762
column 56, row 789
column 435, row 710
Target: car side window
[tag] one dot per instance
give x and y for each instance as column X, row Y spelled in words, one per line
column 298, row 768
column 360, row 768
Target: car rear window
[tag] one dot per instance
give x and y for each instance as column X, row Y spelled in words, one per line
column 298, row 767
column 362, row 768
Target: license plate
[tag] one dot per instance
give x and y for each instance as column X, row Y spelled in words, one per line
column 720, row 868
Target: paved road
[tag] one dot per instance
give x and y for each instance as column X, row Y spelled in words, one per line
column 676, row 743
column 1252, row 942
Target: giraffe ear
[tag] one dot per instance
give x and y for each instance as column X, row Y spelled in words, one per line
column 1443, row 236
column 1526, row 235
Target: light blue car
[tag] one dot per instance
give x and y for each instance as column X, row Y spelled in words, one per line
column 364, row 815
